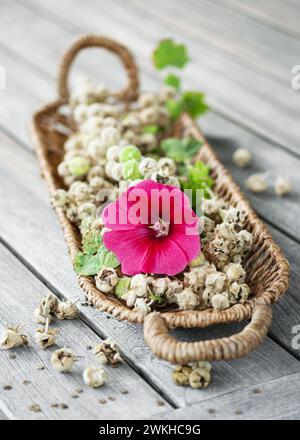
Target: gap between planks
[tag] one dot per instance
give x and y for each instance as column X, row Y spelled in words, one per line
column 270, row 13
column 252, row 403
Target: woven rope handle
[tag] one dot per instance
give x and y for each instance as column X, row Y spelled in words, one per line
column 129, row 93
column 167, row 347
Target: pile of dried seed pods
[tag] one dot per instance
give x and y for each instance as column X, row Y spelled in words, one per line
column 111, row 148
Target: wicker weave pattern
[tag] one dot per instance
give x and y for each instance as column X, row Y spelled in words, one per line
column 267, row 269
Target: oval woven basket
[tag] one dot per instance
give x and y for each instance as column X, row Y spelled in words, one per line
column 266, row 267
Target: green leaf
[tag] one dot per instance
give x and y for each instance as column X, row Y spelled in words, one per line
column 180, row 149
column 197, row 178
column 122, row 286
column 152, row 129
column 87, row 264
column 168, row 53
column 91, row 242
column 173, row 81
column 107, row 258
column 174, row 108
column 193, row 103
column 157, row 298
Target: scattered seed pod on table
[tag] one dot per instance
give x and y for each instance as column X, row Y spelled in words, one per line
column 282, row 186
column 257, row 183
column 107, row 352
column 45, row 337
column 242, row 157
column 95, row 377
column 13, row 338
column 66, row 310
column 63, row 359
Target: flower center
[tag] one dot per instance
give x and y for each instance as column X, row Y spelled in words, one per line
column 161, row 228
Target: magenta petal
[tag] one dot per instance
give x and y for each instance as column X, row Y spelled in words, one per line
column 131, row 249
column 133, row 240
column 165, row 257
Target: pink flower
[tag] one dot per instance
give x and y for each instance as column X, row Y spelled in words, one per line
column 152, row 229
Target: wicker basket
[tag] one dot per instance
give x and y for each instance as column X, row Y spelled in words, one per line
column 267, row 269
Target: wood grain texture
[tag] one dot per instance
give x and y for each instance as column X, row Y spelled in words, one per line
column 283, row 15
column 21, row 292
column 275, row 400
column 232, row 88
column 270, row 52
column 21, row 99
column 31, row 229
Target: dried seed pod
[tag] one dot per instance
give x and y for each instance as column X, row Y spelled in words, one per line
column 257, row 183
column 220, row 301
column 282, row 186
column 142, row 305
column 199, row 378
column 187, row 299
column 216, row 281
column 159, row 285
column 107, row 352
column 242, row 157
column 129, row 297
column 235, row 272
column 95, row 377
column 45, row 337
column 45, row 309
column 168, row 165
column 148, row 166
column 12, row 338
column 66, row 310
column 238, row 292
column 61, row 199
column 195, row 278
column 181, row 374
column 63, row 359
column 139, row 284
column 106, row 280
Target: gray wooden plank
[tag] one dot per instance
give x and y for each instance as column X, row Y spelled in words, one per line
column 274, row 400
column 284, row 15
column 29, row 226
column 270, row 52
column 21, row 291
column 232, row 89
column 21, row 99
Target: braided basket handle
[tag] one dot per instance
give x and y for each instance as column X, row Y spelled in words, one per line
column 167, row 347
column 128, row 93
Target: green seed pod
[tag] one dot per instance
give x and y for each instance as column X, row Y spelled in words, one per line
column 79, row 166
column 130, row 152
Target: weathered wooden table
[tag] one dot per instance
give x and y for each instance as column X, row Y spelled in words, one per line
column 242, row 55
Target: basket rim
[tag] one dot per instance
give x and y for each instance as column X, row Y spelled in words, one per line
column 184, row 319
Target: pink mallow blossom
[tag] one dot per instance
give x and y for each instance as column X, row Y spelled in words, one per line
column 152, row 229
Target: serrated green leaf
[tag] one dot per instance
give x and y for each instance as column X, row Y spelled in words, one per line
column 180, row 149
column 91, row 242
column 169, row 53
column 122, row 286
column 173, row 81
column 89, row 264
column 193, row 103
column 107, row 258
